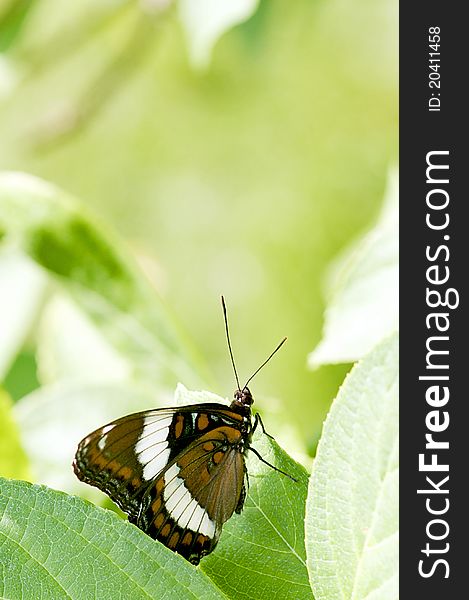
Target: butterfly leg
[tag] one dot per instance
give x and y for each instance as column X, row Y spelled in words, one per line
column 270, row 465
column 258, row 420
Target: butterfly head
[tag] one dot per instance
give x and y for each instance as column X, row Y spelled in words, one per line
column 242, row 401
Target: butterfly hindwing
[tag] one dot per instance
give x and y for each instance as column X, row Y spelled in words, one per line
column 189, row 502
column 178, row 473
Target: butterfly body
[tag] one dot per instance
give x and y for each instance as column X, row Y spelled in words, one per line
column 179, row 473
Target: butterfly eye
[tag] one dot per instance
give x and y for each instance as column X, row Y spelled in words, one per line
column 243, row 397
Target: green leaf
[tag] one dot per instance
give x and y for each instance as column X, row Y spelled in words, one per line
column 352, row 507
column 93, row 266
column 205, row 21
column 58, row 546
column 22, row 287
column 363, row 297
column 55, row 418
column 13, row 460
column 13, row 15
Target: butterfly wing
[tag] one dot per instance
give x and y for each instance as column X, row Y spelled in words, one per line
column 173, row 471
column 196, row 493
column 119, row 457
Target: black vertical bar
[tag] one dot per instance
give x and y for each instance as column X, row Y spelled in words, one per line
column 434, row 555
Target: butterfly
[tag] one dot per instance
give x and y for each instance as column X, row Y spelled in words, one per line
column 179, row 473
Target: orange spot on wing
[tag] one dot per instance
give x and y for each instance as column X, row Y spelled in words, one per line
column 202, row 539
column 114, row 466
column 218, row 457
column 233, row 415
column 166, row 529
column 125, row 472
column 208, row 446
column 159, row 520
column 179, row 427
column 202, row 421
column 156, row 505
column 232, row 435
column 97, row 458
column 187, row 539
column 173, row 540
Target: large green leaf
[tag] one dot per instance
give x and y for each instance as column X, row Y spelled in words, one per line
column 94, row 267
column 13, row 460
column 57, row 546
column 363, row 304
column 352, row 506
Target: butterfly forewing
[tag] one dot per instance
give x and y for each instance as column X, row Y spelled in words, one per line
column 116, row 457
column 178, row 473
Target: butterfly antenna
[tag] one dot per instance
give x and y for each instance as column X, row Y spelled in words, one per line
column 265, row 362
column 228, row 340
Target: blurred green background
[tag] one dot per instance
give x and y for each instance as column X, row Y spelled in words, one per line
column 245, row 177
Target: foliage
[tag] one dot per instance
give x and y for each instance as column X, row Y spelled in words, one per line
column 267, row 541
column 264, row 550
column 46, row 225
column 63, row 547
column 245, row 179
column 246, row 176
column 262, row 553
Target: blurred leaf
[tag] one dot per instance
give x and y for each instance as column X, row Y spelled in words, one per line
column 205, row 21
column 13, row 460
column 22, row 287
column 363, row 305
column 70, row 119
column 57, row 546
column 101, row 276
column 22, row 379
column 55, row 418
column 71, row 347
column 352, row 507
column 8, row 77
column 12, row 18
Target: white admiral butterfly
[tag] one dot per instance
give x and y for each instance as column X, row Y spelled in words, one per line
column 179, row 473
